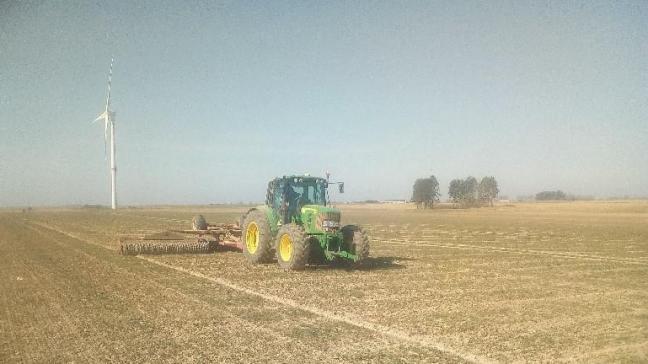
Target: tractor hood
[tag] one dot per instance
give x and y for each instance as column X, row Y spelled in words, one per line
column 321, row 218
column 318, row 209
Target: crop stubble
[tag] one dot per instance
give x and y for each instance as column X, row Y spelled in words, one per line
column 530, row 282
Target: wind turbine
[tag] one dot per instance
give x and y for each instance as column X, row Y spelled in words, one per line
column 108, row 117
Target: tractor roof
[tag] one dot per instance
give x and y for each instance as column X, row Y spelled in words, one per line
column 301, row 177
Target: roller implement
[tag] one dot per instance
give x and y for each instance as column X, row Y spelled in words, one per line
column 202, row 238
column 296, row 226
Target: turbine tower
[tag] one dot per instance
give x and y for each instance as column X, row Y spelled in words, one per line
column 108, row 117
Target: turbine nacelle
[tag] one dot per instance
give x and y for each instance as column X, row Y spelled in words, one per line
column 106, row 116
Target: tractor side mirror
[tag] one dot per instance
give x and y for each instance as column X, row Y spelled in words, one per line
column 341, row 187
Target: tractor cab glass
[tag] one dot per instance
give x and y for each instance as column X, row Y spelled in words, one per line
column 314, row 193
column 290, row 194
column 305, row 191
column 275, row 195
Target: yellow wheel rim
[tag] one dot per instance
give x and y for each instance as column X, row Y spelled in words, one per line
column 285, row 247
column 252, row 238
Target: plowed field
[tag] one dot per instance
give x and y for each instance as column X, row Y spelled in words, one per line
column 523, row 282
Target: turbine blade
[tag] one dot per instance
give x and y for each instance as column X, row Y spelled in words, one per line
column 107, row 115
column 109, row 83
column 100, row 117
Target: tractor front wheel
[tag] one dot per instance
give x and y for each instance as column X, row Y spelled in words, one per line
column 256, row 238
column 292, row 247
column 357, row 242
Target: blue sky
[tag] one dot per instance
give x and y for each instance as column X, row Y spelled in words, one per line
column 214, row 99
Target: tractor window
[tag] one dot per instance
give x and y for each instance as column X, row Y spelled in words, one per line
column 314, row 194
column 300, row 193
column 278, row 195
column 292, row 194
column 299, row 190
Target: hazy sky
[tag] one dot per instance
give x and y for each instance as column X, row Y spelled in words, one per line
column 214, row 99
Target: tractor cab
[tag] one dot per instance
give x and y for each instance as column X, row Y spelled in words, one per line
column 289, row 194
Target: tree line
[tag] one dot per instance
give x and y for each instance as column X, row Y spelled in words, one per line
column 465, row 192
column 550, row 195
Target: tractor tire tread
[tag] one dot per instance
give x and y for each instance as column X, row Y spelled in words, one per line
column 359, row 243
column 264, row 250
column 301, row 247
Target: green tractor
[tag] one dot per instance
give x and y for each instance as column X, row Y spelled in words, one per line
column 298, row 226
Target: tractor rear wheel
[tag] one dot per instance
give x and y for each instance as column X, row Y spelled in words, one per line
column 292, row 247
column 256, row 239
column 357, row 242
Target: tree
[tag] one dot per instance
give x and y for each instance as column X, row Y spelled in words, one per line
column 425, row 192
column 455, row 190
column 433, row 186
column 551, row 195
column 418, row 192
column 488, row 190
column 469, row 191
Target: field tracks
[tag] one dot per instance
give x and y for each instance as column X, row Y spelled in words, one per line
column 71, row 235
column 158, row 218
column 554, row 254
column 241, row 321
column 380, row 329
column 385, row 331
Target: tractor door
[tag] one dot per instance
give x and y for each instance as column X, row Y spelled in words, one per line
column 274, row 201
column 277, row 201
